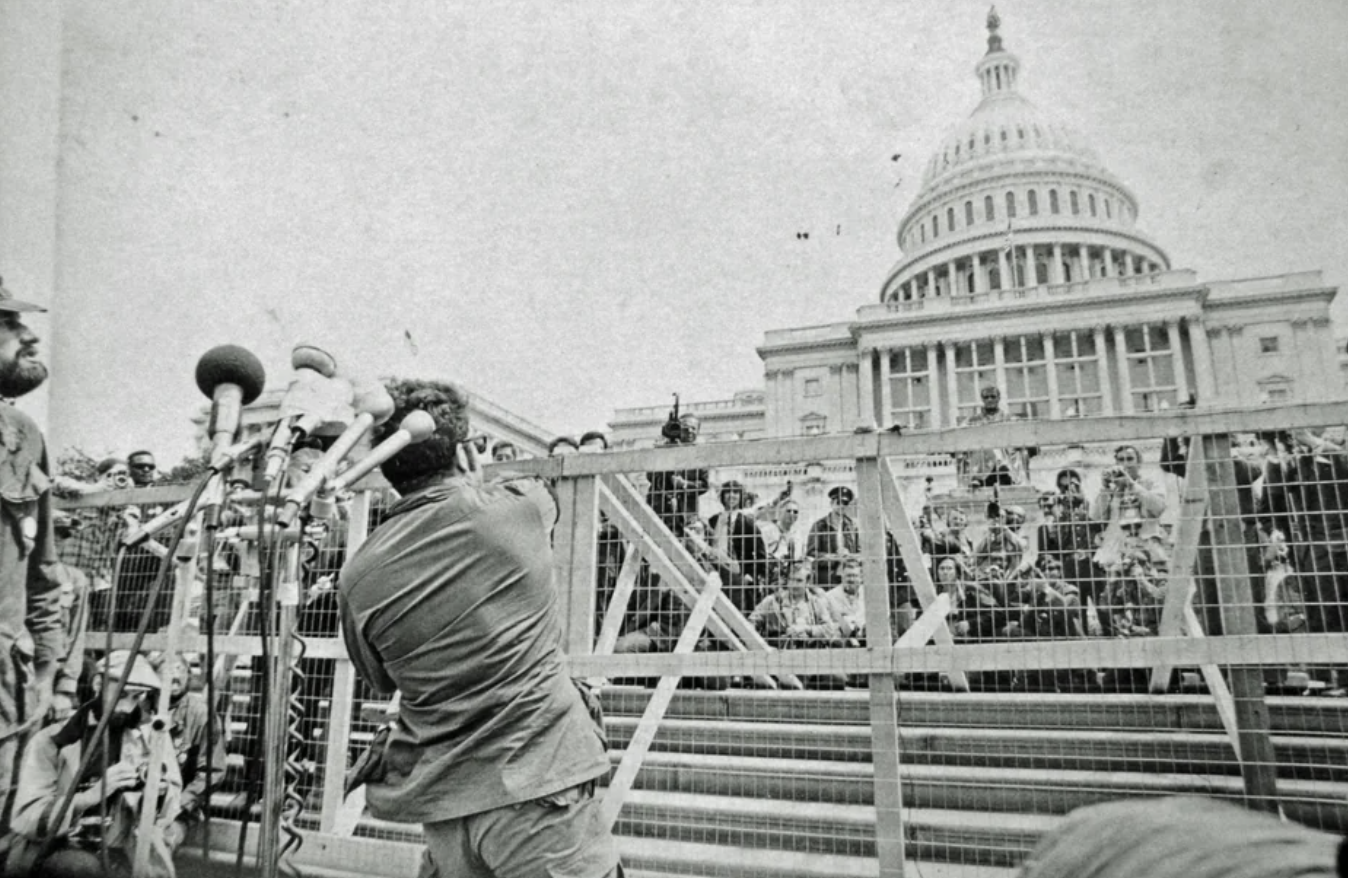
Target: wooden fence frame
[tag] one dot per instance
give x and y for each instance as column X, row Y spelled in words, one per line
column 589, row 484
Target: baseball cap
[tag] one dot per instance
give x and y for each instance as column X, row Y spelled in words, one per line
column 9, row 303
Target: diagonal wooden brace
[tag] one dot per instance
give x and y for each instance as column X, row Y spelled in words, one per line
column 639, row 523
column 1180, row 591
column 911, row 550
column 640, row 744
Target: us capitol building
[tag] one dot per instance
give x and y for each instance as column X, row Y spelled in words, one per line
column 1024, row 267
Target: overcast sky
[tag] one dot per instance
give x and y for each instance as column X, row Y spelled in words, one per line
column 572, row 207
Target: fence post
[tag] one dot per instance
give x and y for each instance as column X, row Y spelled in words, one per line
column 1258, row 767
column 889, row 830
column 341, row 705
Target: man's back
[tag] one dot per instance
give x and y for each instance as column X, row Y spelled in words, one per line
column 451, row 602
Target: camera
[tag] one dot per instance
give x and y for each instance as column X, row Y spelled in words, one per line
column 672, row 430
column 1112, row 475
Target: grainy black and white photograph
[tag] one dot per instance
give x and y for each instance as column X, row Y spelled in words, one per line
column 856, row 439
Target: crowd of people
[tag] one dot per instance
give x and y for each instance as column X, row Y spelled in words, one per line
column 1073, row 565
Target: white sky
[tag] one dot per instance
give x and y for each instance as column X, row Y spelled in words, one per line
column 574, row 207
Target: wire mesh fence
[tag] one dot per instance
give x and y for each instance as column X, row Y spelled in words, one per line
column 883, row 654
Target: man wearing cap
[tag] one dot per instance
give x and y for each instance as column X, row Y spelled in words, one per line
column 31, row 638
column 994, row 466
column 674, row 494
column 451, row 602
column 833, row 536
column 105, row 808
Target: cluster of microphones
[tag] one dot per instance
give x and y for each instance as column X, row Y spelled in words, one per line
column 318, row 404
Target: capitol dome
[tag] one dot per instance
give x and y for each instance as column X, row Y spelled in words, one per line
column 1014, row 197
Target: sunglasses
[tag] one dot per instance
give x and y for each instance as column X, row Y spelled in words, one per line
column 143, row 466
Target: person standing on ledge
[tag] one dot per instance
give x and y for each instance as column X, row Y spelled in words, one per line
column 32, row 641
column 451, row 603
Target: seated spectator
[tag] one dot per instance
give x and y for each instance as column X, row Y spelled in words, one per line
column 735, row 534
column 187, row 713
column 562, row 446
column 798, row 617
column 847, row 605
column 1068, row 536
column 946, row 539
column 784, row 543
column 833, row 536
column 72, row 675
column 1126, row 493
column 1136, row 585
column 1003, row 546
column 48, row 772
column 654, row 622
column 974, row 610
column 1052, row 604
column 504, row 452
column 593, row 442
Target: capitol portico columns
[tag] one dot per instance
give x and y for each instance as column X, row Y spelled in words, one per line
column 865, row 388
column 1004, row 279
column 999, row 360
column 950, row 273
column 1102, row 361
column 932, row 390
column 886, row 391
column 1177, row 355
column 1125, row 384
column 1198, row 343
column 1055, row 269
column 1051, row 373
column 951, row 383
column 1085, row 259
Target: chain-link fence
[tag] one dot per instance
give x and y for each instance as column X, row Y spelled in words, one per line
column 883, row 654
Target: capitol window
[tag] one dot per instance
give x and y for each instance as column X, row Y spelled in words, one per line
column 814, row 387
column 1073, row 200
column 935, row 226
column 1053, row 201
column 950, row 219
column 989, row 210
column 910, row 393
column 1268, row 344
column 1078, row 367
column 1033, row 199
column 1109, row 210
column 1011, row 205
column 1151, row 368
column 968, row 213
column 1026, row 376
column 1090, row 202
column 975, row 368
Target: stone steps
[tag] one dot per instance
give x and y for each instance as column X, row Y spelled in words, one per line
column 1299, row 756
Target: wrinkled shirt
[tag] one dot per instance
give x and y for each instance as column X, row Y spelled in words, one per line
column 451, row 602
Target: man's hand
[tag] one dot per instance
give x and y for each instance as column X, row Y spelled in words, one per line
column 62, row 706
column 465, row 453
column 122, row 776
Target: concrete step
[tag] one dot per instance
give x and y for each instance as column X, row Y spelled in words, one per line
column 933, row 835
column 1303, row 756
column 1289, row 715
column 1320, row 804
column 664, row 859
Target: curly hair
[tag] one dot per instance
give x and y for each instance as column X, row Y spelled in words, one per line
column 447, row 404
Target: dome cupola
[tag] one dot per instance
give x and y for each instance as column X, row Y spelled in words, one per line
column 1015, row 197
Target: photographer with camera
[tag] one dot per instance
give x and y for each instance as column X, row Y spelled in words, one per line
column 105, row 809
column 674, row 494
column 1126, row 493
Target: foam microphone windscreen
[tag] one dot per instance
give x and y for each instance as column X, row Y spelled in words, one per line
column 372, row 398
column 306, row 356
column 231, row 364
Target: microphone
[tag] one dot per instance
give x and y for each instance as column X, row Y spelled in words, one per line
column 380, row 409
column 155, row 525
column 232, row 377
column 416, row 427
column 306, row 404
